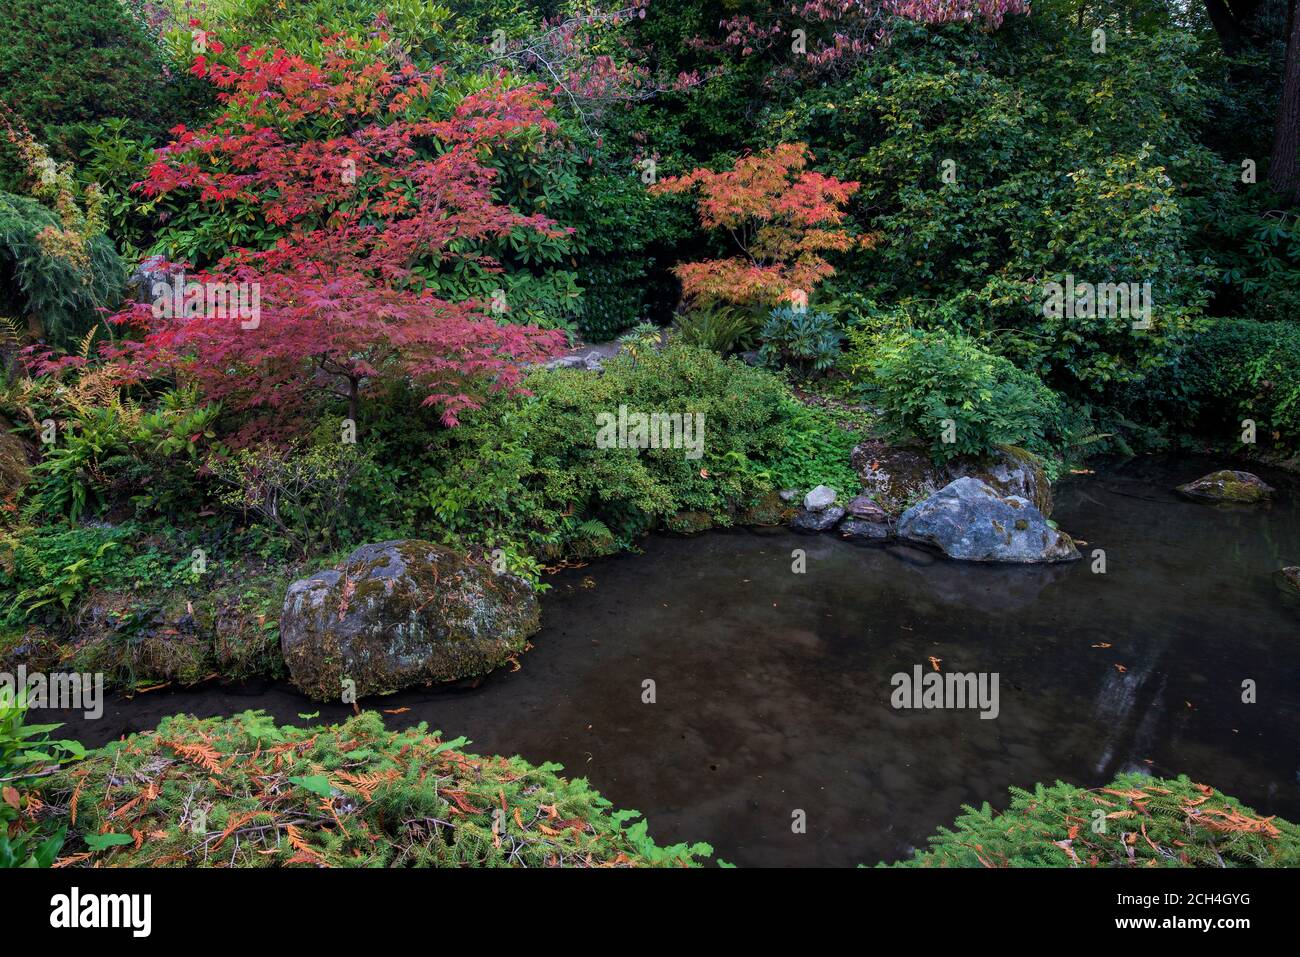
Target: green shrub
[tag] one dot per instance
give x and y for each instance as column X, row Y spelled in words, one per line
column 718, row 327
column 944, row 389
column 414, row 799
column 45, row 570
column 1062, row 162
column 528, row 470
column 301, row 493
column 1143, row 822
column 63, row 294
column 1233, row 370
column 801, row 340
column 816, row 451
column 24, row 750
column 93, row 60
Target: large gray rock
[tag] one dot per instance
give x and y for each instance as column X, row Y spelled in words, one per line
column 897, row 477
column 969, row 520
column 1228, row 486
column 402, row 613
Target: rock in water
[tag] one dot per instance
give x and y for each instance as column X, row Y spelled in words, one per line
column 819, row 521
column 1288, row 579
column 898, row 476
column 402, row 613
column 822, row 497
column 861, row 530
column 969, row 520
column 1228, row 485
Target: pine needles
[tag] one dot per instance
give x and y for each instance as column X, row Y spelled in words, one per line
column 1137, row 821
column 242, row 792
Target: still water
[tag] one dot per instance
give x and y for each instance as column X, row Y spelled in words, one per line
column 772, row 689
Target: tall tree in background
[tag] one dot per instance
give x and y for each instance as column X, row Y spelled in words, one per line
column 1284, row 164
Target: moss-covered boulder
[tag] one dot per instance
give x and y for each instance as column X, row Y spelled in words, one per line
column 771, row 509
column 1228, row 486
column 897, row 477
column 689, row 523
column 402, row 613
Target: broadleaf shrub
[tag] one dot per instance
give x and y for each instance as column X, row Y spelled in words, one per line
column 946, row 390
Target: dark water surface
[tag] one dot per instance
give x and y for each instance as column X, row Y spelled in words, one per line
column 773, row 688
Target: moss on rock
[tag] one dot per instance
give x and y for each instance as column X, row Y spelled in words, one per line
column 1228, row 486
column 402, row 613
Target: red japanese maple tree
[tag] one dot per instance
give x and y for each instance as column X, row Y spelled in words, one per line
column 370, row 197
column 781, row 216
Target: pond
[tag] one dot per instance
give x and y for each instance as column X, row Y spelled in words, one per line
column 773, row 689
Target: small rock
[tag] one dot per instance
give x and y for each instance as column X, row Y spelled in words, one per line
column 864, row 507
column 788, row 494
column 823, row 496
column 1228, row 485
column 860, row 529
column 1289, row 579
column 822, row 520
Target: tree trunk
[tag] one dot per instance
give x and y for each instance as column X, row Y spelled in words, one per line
column 1284, row 164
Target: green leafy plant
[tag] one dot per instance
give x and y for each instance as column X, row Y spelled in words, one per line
column 945, row 390
column 716, row 326
column 804, row 341
column 26, row 749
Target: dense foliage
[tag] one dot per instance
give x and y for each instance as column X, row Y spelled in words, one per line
column 1136, row 821
column 243, row 792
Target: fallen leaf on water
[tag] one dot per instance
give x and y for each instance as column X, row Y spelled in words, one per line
column 1104, row 644
column 396, row 710
column 1121, row 669
column 934, row 662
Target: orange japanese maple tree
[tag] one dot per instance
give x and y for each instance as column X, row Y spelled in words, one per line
column 782, row 218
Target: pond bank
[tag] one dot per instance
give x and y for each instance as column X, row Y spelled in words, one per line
column 773, row 689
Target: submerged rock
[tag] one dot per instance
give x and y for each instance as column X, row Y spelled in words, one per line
column 1228, row 485
column 1288, row 579
column 970, row 521
column 858, row 529
column 899, row 476
column 823, row 496
column 822, row 520
column 402, row 613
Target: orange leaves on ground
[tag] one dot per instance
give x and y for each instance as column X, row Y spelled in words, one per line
column 204, row 755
